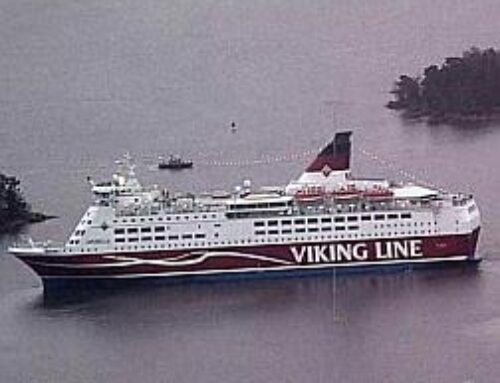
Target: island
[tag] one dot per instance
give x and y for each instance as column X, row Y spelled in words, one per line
column 15, row 212
column 462, row 90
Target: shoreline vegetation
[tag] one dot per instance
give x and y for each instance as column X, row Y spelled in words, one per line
column 462, row 91
column 15, row 212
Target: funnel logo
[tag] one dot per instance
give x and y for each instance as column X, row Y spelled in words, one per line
column 326, row 170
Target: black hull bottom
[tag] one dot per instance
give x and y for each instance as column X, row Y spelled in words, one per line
column 60, row 287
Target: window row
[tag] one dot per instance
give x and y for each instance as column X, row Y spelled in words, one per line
column 347, row 235
column 161, row 238
column 167, row 218
column 263, row 205
column 147, row 229
column 335, row 219
column 307, row 230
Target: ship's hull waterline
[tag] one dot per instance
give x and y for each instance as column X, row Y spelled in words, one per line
column 264, row 260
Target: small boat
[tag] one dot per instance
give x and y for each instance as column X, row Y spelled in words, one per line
column 175, row 163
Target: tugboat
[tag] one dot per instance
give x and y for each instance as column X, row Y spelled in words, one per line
column 174, row 163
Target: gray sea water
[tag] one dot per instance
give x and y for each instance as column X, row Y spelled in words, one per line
column 82, row 82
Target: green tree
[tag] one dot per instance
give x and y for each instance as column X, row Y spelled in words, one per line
column 465, row 86
column 12, row 204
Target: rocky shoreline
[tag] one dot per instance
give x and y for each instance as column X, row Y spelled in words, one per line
column 15, row 212
column 462, row 91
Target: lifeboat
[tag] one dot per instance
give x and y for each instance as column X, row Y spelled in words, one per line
column 347, row 193
column 378, row 193
column 310, row 193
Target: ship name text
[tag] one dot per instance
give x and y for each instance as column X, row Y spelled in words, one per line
column 348, row 252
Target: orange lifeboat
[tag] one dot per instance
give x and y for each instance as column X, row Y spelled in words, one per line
column 310, row 193
column 378, row 193
column 346, row 193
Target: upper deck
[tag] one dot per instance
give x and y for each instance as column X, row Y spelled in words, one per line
column 326, row 187
column 143, row 201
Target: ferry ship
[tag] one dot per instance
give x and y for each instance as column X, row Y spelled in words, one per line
column 326, row 219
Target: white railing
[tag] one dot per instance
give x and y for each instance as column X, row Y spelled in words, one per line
column 25, row 241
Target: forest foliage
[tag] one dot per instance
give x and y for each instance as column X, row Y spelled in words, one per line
column 14, row 210
column 463, row 88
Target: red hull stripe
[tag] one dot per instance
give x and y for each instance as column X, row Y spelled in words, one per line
column 156, row 273
column 257, row 258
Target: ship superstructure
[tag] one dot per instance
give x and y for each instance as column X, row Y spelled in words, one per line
column 326, row 218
